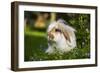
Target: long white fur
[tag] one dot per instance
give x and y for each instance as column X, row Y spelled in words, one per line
column 61, row 44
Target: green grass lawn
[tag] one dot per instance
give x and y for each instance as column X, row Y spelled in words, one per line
column 36, row 43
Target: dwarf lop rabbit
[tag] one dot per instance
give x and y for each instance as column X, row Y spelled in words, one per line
column 61, row 37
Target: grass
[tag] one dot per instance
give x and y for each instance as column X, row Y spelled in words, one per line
column 36, row 43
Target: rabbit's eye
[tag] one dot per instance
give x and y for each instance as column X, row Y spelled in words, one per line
column 57, row 30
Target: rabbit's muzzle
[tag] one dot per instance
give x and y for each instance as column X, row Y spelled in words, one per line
column 50, row 36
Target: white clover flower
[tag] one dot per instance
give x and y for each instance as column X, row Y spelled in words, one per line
column 87, row 30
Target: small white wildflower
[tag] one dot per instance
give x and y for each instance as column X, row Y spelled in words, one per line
column 83, row 43
column 87, row 30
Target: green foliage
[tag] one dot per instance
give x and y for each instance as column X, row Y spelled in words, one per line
column 36, row 42
column 82, row 25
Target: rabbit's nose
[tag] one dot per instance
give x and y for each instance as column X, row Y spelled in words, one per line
column 50, row 35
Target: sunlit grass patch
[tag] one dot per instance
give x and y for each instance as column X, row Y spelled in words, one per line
column 35, row 33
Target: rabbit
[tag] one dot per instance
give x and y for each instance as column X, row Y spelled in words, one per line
column 61, row 37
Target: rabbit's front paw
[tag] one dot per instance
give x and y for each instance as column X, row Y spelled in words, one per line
column 50, row 50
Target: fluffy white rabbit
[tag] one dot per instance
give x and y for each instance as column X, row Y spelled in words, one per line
column 61, row 37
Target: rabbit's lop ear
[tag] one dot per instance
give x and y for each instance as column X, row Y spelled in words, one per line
column 66, row 29
column 66, row 35
column 65, row 32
